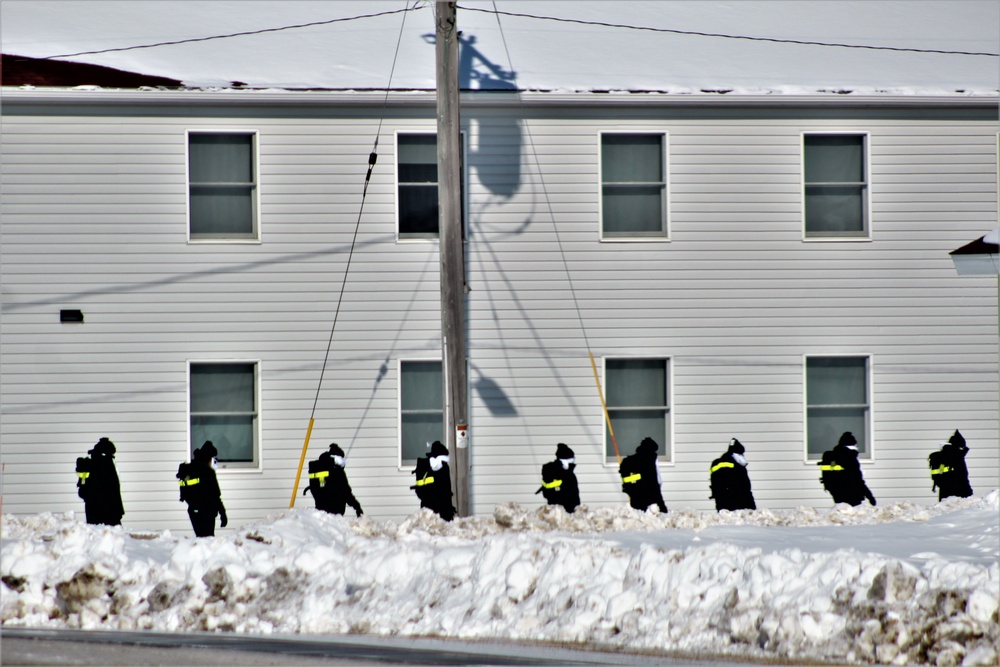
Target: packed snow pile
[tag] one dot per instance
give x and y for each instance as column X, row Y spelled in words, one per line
column 899, row 584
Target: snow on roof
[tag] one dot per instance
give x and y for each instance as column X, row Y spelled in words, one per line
column 700, row 47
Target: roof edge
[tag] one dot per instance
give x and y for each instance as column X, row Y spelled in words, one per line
column 275, row 97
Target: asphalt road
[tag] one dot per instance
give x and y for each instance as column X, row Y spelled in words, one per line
column 20, row 646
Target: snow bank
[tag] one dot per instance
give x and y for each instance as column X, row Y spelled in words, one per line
column 606, row 577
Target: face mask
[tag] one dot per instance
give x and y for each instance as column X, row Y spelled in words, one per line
column 215, row 464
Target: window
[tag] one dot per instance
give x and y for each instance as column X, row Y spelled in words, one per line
column 638, row 404
column 837, row 400
column 836, row 186
column 224, row 410
column 417, row 187
column 222, row 187
column 633, row 186
column 421, row 411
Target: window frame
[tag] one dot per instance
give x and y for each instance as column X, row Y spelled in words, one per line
column 424, row 238
column 401, row 465
column 254, row 135
column 666, row 456
column 866, row 199
column 867, row 456
column 665, row 198
column 255, row 465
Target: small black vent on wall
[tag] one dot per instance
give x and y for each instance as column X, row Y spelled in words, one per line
column 71, row 316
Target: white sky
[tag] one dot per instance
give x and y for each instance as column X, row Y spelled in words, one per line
column 543, row 54
column 894, row 583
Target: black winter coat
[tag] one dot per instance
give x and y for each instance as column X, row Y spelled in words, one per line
column 559, row 485
column 433, row 488
column 730, row 484
column 101, row 492
column 853, row 488
column 333, row 493
column 952, row 474
column 641, row 481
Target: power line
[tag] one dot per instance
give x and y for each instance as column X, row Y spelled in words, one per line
column 727, row 36
column 236, row 34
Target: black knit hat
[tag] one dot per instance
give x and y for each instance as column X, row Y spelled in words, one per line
column 564, row 452
column 957, row 439
column 847, row 440
column 647, row 445
column 335, row 449
column 208, row 450
column 104, row 446
column 736, row 447
column 437, row 449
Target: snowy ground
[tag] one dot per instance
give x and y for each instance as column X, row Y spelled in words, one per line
column 898, row 584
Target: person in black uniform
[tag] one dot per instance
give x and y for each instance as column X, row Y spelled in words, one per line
column 948, row 469
column 641, row 477
column 433, row 484
column 98, row 485
column 206, row 501
column 559, row 485
column 729, row 480
column 328, row 483
column 853, row 487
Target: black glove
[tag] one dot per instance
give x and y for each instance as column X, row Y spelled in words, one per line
column 358, row 510
column 224, row 520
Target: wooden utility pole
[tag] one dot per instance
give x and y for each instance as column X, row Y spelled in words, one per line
column 452, row 251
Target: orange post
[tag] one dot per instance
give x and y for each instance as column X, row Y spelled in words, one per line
column 302, row 461
column 604, row 405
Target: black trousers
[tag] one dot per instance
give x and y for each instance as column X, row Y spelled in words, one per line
column 203, row 522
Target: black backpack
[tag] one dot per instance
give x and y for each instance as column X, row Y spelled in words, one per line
column 84, row 466
column 629, row 467
column 422, row 471
column 319, row 474
column 189, row 482
column 551, row 472
column 939, row 470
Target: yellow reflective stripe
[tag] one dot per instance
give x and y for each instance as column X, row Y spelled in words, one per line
column 941, row 470
column 425, row 480
column 631, row 479
column 554, row 484
column 188, row 482
column 719, row 466
column 83, row 475
column 834, row 467
column 322, row 474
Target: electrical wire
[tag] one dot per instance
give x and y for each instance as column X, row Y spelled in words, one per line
column 562, row 252
column 416, row 6
column 372, row 160
column 696, row 33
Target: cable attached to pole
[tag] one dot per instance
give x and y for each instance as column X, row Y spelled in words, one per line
column 562, row 252
column 372, row 160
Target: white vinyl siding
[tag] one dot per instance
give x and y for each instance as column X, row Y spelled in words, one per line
column 222, row 186
column 94, row 217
